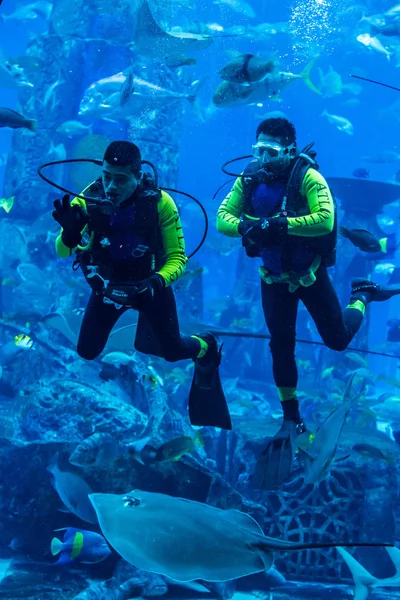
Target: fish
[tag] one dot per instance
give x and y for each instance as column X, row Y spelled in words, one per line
column 230, row 94
column 173, row 450
column 10, row 118
column 11, row 77
column 7, row 203
column 74, row 129
column 322, row 450
column 73, row 491
column 97, row 450
column 49, row 95
column 79, row 545
column 247, row 68
column 153, row 531
column 361, row 173
column 372, row 43
column 57, row 152
column 356, row 358
column 30, row 272
column 361, row 238
column 118, row 359
column 341, row 123
column 13, row 348
column 102, row 98
column 330, row 83
column 393, row 12
column 239, row 6
column 384, row 268
column 126, row 88
column 384, row 157
column 369, row 451
column 364, row 582
column 387, row 29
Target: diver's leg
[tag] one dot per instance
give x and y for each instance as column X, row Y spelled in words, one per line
column 162, row 317
column 207, row 403
column 280, row 312
column 97, row 324
column 275, row 463
column 336, row 328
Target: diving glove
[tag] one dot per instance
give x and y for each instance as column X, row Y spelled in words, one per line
column 265, row 232
column 72, row 219
column 147, row 288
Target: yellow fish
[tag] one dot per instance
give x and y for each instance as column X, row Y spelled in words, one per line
column 7, row 204
column 23, row 341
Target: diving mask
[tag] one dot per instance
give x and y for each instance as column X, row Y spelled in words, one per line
column 274, row 156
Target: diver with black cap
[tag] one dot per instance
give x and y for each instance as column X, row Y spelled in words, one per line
column 128, row 240
column 284, row 211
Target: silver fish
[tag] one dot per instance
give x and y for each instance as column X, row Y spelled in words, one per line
column 73, row 491
column 321, row 454
column 230, row 94
column 97, row 450
column 153, row 532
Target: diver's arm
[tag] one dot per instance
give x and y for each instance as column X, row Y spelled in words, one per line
column 320, row 221
column 172, row 239
column 230, row 210
column 62, row 250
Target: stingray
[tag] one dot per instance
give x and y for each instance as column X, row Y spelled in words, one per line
column 151, row 40
column 187, row 540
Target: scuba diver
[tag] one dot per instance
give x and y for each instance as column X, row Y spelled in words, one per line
column 282, row 208
column 128, row 240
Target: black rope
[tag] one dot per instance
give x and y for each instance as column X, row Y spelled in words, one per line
column 265, row 336
column 377, row 82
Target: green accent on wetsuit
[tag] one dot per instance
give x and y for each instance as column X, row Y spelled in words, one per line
column 286, row 393
column 357, row 305
column 171, row 235
column 203, row 346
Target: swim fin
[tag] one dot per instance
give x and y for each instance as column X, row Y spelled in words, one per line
column 275, row 464
column 207, row 402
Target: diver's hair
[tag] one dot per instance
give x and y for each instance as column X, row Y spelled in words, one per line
column 124, row 154
column 278, row 127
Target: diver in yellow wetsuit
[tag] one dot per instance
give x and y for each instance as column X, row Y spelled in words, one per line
column 283, row 209
column 128, row 240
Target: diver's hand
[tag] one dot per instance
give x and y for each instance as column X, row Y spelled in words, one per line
column 263, row 232
column 147, row 288
column 72, row 220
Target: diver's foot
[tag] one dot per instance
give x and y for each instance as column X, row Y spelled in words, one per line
column 213, row 353
column 297, row 426
column 367, row 291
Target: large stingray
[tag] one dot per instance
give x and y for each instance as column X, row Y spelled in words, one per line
column 151, row 40
column 187, row 540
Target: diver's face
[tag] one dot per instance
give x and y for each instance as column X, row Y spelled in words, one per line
column 273, row 152
column 119, row 182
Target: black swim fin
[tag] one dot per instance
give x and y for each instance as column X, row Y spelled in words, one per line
column 275, row 464
column 207, row 402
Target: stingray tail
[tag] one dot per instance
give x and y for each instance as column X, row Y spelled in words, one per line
column 274, row 544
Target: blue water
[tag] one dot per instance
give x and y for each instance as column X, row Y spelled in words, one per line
column 321, row 27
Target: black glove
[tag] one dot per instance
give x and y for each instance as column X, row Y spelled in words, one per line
column 72, row 219
column 265, row 232
column 148, row 287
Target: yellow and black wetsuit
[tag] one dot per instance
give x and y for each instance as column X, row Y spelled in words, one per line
column 306, row 279
column 158, row 321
